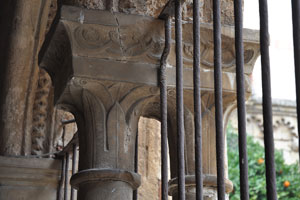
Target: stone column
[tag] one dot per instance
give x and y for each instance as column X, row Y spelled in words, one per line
column 24, row 25
column 107, row 115
column 104, row 69
column 208, row 105
column 208, row 147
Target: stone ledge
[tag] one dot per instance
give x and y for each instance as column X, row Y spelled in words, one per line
column 29, row 178
column 29, row 171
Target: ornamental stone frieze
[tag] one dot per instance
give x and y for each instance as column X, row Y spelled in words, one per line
column 105, row 70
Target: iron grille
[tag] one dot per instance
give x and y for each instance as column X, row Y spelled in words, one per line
column 172, row 10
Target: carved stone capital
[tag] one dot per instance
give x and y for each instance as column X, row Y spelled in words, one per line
column 127, row 48
column 107, row 115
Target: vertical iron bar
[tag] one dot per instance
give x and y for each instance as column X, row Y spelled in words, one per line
column 197, row 101
column 63, row 135
column 62, row 178
column 267, row 101
column 136, row 162
column 179, row 100
column 163, row 109
column 240, row 87
column 296, row 35
column 218, row 99
column 74, row 161
column 66, row 176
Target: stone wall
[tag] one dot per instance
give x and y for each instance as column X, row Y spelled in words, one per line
column 149, row 159
column 153, row 8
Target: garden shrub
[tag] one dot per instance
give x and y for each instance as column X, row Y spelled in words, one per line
column 287, row 176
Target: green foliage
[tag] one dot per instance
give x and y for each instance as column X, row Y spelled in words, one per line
column 256, row 167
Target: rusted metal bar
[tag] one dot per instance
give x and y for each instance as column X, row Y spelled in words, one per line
column 241, row 107
column 66, row 176
column 62, row 179
column 220, row 147
column 163, row 109
column 168, row 11
column 296, row 36
column 69, row 146
column 179, row 100
column 197, row 101
column 136, row 162
column 74, row 164
column 63, row 136
column 267, row 101
column 65, row 122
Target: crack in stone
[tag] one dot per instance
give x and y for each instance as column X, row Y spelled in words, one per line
column 119, row 36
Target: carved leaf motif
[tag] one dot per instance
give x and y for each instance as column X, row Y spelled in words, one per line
column 95, row 117
column 189, row 139
column 118, row 134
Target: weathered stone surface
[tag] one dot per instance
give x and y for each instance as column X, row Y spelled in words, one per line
column 154, row 8
column 29, row 178
column 42, row 114
column 149, row 159
column 227, row 15
column 19, row 72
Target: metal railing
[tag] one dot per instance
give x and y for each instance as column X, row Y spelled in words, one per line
column 174, row 9
column 68, row 151
column 170, row 11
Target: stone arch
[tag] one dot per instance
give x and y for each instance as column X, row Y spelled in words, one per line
column 57, row 58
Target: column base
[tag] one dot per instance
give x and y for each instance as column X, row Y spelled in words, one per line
column 103, row 184
column 209, row 187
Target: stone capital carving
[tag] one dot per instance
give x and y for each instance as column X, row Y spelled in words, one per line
column 107, row 115
column 120, row 47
